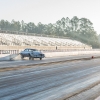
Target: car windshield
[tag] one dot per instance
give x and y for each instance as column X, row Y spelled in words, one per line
column 33, row 50
column 30, row 50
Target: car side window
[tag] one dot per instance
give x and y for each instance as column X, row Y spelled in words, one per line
column 26, row 50
column 30, row 50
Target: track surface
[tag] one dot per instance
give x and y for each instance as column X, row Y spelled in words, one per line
column 48, row 82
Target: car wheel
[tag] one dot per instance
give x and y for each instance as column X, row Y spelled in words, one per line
column 30, row 57
column 40, row 58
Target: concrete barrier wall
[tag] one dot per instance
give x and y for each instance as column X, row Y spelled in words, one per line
column 19, row 48
column 56, row 54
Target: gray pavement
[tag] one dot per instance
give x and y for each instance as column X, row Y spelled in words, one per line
column 48, row 82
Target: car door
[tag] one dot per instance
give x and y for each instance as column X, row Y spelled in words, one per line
column 26, row 52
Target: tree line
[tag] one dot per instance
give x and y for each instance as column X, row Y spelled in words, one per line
column 79, row 29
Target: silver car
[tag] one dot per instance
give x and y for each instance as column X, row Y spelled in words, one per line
column 32, row 53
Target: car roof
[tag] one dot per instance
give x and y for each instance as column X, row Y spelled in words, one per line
column 30, row 49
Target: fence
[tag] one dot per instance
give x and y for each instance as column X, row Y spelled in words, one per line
column 9, row 51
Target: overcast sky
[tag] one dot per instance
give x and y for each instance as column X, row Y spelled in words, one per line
column 49, row 11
